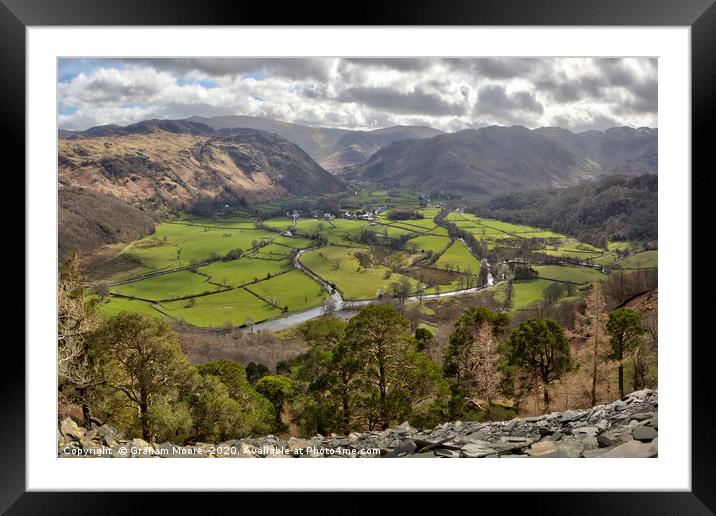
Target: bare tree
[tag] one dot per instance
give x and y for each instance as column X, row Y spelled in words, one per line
column 76, row 320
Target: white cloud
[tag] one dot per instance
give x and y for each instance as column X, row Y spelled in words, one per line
column 448, row 94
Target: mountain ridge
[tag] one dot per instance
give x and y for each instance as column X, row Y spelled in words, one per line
column 498, row 159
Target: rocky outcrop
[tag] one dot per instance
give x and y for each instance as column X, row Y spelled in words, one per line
column 625, row 428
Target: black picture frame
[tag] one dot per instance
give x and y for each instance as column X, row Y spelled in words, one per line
column 700, row 15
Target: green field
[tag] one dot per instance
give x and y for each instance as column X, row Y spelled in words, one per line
column 574, row 274
column 167, row 286
column 294, row 289
column 642, row 260
column 432, row 243
column 242, row 271
column 235, row 306
column 525, row 292
column 458, row 258
column 111, row 306
column 337, row 265
column 175, row 244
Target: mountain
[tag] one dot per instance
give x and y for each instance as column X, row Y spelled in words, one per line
column 614, row 207
column 88, row 220
column 175, row 163
column 622, row 150
column 495, row 159
column 334, row 149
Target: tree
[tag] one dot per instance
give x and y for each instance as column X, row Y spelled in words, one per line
column 423, row 338
column 539, row 348
column 278, row 390
column 394, row 378
column 77, row 373
column 624, row 327
column 142, row 361
column 591, row 327
column 471, row 358
column 255, row 371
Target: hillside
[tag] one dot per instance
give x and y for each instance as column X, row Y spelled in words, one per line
column 615, row 208
column 334, row 149
column 88, row 220
column 174, row 163
column 494, row 160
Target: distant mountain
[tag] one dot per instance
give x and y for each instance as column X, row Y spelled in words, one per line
column 334, row 149
column 175, row 162
column 611, row 208
column 495, row 159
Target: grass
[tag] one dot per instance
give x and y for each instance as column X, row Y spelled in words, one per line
column 574, row 274
column 242, row 271
column 175, row 244
column 234, row 306
column 167, row 286
column 525, row 292
column 642, row 260
column 111, row 306
column 458, row 257
column 432, row 243
column 337, row 265
column 293, row 289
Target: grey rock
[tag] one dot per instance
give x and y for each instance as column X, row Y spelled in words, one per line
column 477, row 449
column 614, row 436
column 570, row 415
column 444, row 452
column 70, row 429
column 590, row 431
column 644, row 433
column 633, row 450
column 404, row 448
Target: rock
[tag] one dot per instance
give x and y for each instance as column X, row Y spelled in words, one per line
column 510, row 446
column 591, row 454
column 614, row 437
column 570, row 415
column 654, row 422
column 633, row 450
column 556, row 436
column 140, row 448
column 602, row 424
column 570, row 446
column 70, row 429
column 479, row 435
column 423, row 455
column 590, row 431
column 444, row 452
column 541, row 448
column 644, row 433
column 641, row 416
column 296, row 445
column 477, row 449
column 403, row 449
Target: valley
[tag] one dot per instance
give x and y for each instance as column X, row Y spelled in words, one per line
column 247, row 273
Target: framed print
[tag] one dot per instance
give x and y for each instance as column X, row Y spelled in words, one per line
column 431, row 234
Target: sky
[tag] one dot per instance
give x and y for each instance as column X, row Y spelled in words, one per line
column 449, row 94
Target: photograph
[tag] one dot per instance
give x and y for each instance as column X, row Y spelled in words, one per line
column 358, row 257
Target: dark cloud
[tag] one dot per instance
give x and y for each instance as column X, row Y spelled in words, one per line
column 495, row 67
column 402, row 64
column 495, row 101
column 416, row 102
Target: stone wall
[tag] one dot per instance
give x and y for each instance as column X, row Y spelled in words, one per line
column 625, row 428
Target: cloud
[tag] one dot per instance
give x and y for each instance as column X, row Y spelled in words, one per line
column 418, row 101
column 364, row 93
